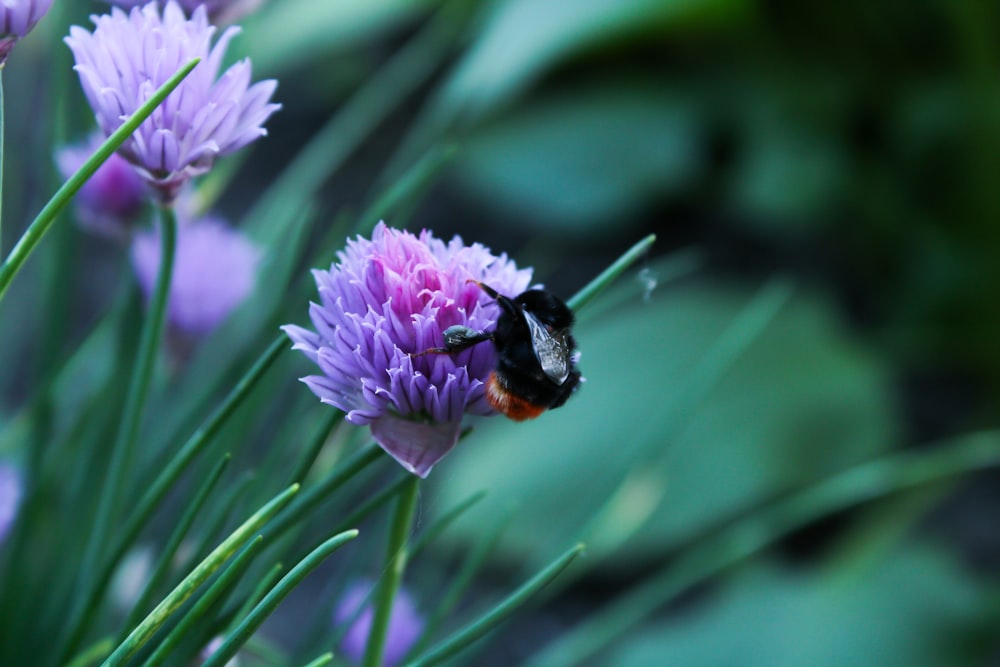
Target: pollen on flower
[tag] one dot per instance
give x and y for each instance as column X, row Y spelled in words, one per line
column 384, row 300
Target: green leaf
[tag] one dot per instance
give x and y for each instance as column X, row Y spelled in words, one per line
column 590, row 158
column 524, row 39
column 908, row 611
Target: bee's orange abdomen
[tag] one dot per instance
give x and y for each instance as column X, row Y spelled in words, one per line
column 504, row 401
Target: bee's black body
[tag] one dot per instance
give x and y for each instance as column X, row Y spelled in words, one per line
column 535, row 368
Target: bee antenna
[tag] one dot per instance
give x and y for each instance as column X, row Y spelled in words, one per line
column 504, row 302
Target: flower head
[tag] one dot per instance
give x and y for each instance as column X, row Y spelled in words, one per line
column 219, row 11
column 405, row 624
column 386, row 299
column 17, row 18
column 215, row 270
column 10, row 497
column 129, row 56
column 113, row 198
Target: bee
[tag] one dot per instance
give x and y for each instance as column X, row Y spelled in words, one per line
column 536, row 369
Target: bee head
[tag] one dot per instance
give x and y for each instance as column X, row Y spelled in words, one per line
column 546, row 307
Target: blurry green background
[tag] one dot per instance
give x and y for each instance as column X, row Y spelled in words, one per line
column 825, row 289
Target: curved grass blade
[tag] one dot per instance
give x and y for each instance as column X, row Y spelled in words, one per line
column 470, row 633
column 321, row 661
column 610, row 274
column 170, row 604
column 197, row 612
column 166, row 556
column 265, row 584
column 40, row 225
column 164, row 481
column 254, row 619
column 749, row 536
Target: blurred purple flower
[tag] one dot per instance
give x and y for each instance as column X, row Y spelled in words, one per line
column 11, row 488
column 17, row 18
column 405, row 624
column 219, row 11
column 214, row 646
column 215, row 270
column 129, row 56
column 112, row 199
column 385, row 299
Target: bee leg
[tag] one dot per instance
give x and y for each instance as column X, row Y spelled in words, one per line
column 456, row 339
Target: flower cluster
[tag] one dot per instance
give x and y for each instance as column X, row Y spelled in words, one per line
column 129, row 56
column 215, row 270
column 391, row 297
column 17, row 19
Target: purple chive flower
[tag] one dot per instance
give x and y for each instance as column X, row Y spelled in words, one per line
column 129, row 56
column 17, row 19
column 11, row 489
column 384, row 300
column 219, row 11
column 215, row 270
column 113, row 198
column 405, row 624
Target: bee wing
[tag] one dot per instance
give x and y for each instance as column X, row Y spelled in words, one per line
column 551, row 349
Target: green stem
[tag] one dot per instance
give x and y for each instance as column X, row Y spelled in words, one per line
column 608, row 276
column 395, row 564
column 142, row 373
column 40, row 225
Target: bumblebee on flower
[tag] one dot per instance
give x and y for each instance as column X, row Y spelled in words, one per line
column 384, row 303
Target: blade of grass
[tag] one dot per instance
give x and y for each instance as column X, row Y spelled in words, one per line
column 265, row 584
column 166, row 555
column 172, row 602
column 610, row 274
column 270, row 602
column 475, row 630
column 40, row 225
column 396, row 558
column 197, row 612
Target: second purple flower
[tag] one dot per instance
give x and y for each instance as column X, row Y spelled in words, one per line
column 128, row 56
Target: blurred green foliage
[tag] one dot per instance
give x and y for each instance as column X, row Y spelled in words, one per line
column 833, row 164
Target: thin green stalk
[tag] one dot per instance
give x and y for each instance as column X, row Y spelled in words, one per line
column 610, row 274
column 40, row 225
column 197, row 612
column 142, row 373
column 93, row 653
column 173, row 601
column 395, row 564
column 475, row 630
column 739, row 541
column 260, row 589
column 165, row 480
column 321, row 661
column 166, row 555
column 312, row 450
column 249, row 625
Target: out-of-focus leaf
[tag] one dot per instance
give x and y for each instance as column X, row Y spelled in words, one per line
column 911, row 610
column 287, row 34
column 523, row 39
column 588, row 159
column 802, row 402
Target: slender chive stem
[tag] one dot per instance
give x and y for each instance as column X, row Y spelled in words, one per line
column 197, row 612
column 165, row 481
column 270, row 602
column 395, row 564
column 166, row 555
column 40, row 225
column 142, row 374
column 321, row 661
column 173, row 601
column 93, row 653
column 608, row 275
column 475, row 630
